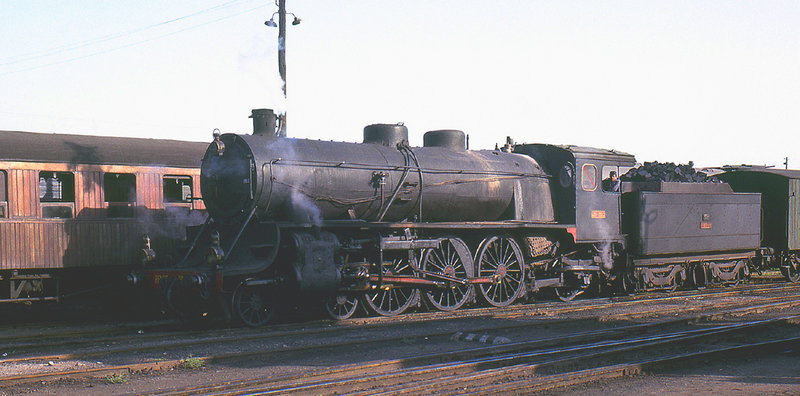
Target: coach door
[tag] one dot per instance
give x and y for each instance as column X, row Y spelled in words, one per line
column 793, row 217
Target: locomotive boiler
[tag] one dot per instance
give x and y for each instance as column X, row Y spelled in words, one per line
column 382, row 180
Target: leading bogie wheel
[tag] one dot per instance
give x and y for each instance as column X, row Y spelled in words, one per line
column 500, row 258
column 342, row 306
column 567, row 294
column 252, row 305
column 451, row 259
column 389, row 299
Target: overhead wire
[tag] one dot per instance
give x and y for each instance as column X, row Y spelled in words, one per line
column 69, row 47
column 135, row 43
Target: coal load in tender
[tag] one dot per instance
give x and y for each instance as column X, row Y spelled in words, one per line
column 667, row 172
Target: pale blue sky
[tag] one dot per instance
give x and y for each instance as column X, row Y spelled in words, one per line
column 716, row 82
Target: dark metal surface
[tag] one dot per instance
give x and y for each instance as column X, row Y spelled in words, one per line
column 314, row 269
column 264, row 122
column 779, row 190
column 305, row 181
column 446, row 138
column 667, row 223
column 690, row 258
column 677, row 187
column 389, row 135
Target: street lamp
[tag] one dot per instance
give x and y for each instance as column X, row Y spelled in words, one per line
column 271, row 21
column 281, row 25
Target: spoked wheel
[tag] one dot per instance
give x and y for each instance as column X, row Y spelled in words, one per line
column 793, row 270
column 252, row 305
column 451, row 259
column 342, row 306
column 500, row 257
column 391, row 300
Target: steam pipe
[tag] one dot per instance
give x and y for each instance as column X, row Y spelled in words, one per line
column 399, row 184
column 239, row 234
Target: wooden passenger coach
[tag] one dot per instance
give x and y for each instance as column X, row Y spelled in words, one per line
column 74, row 208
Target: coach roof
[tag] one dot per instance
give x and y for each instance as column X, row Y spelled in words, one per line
column 787, row 173
column 99, row 150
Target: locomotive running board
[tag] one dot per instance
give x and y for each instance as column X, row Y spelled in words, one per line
column 394, row 243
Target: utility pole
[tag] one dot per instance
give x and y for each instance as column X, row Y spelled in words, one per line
column 282, row 43
column 281, row 25
column 786, row 162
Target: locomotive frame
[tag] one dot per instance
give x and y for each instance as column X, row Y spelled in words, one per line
column 390, row 226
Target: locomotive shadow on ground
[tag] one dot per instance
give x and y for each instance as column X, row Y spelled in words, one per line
column 371, row 353
column 417, row 344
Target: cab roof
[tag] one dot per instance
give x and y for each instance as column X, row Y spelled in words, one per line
column 581, row 152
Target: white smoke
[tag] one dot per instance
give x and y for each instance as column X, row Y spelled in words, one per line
column 301, row 208
column 304, row 210
column 171, row 223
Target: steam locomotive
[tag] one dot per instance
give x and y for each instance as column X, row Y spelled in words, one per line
column 392, row 227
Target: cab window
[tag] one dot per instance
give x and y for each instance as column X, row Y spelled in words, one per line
column 611, row 181
column 589, row 177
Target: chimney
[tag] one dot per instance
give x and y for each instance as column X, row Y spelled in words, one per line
column 264, row 122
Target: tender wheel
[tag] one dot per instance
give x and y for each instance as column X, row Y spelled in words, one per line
column 452, row 259
column 390, row 300
column 699, row 276
column 342, row 306
column 501, row 258
column 793, row 269
column 252, row 305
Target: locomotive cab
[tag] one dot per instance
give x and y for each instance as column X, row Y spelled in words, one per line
column 578, row 188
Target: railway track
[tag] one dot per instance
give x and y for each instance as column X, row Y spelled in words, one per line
column 276, row 343
column 124, row 341
column 33, row 337
column 509, row 368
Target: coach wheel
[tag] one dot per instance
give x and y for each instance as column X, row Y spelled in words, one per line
column 451, row 259
column 793, row 269
column 342, row 306
column 252, row 305
column 500, row 258
column 391, row 300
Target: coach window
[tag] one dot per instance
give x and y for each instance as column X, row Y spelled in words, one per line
column 178, row 190
column 3, row 195
column 119, row 190
column 589, row 177
column 57, row 194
